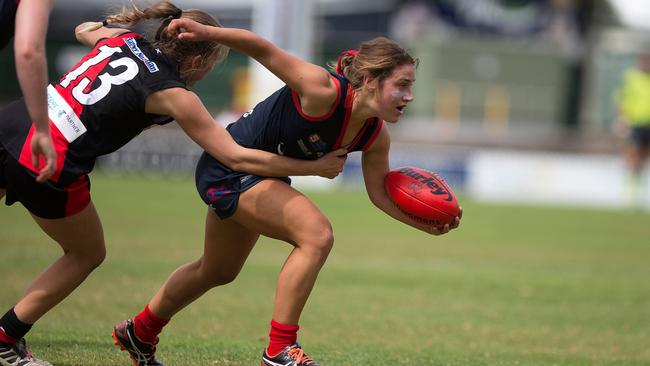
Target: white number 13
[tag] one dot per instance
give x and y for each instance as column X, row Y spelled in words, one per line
column 106, row 79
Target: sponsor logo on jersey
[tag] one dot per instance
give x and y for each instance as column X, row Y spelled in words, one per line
column 133, row 46
column 281, row 148
column 62, row 116
column 304, row 148
column 248, row 113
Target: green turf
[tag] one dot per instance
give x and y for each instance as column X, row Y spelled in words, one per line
column 513, row 286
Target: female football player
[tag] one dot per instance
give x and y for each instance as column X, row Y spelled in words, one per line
column 28, row 19
column 124, row 85
column 315, row 113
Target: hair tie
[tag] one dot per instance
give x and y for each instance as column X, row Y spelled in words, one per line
column 339, row 68
column 177, row 14
column 104, row 23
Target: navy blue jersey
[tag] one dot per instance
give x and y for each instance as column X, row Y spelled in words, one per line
column 7, row 21
column 98, row 106
column 278, row 125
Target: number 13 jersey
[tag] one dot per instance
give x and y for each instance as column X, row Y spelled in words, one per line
column 97, row 107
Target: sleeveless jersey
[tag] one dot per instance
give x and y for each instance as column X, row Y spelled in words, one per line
column 8, row 10
column 278, row 125
column 98, row 106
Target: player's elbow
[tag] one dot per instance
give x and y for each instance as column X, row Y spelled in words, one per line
column 28, row 53
column 234, row 161
column 374, row 198
column 237, row 165
column 81, row 31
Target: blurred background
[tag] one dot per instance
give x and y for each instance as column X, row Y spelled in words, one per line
column 515, row 99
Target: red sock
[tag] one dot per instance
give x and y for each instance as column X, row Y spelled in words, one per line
column 5, row 338
column 281, row 335
column 148, row 325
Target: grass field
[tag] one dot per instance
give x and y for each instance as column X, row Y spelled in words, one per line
column 513, row 286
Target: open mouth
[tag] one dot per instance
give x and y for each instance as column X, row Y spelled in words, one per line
column 401, row 108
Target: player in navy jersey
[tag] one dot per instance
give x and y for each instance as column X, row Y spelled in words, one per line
column 124, row 85
column 28, row 20
column 314, row 114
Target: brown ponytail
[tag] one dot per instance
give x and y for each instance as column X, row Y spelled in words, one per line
column 167, row 43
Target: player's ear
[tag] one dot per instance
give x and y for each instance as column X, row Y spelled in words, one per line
column 196, row 62
column 370, row 84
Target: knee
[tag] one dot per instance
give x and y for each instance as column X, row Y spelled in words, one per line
column 320, row 239
column 214, row 277
column 94, row 255
column 90, row 258
column 97, row 257
column 221, row 278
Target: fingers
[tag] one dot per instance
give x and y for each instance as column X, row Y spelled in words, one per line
column 176, row 26
column 41, row 146
column 340, row 152
column 48, row 170
column 440, row 230
column 444, row 229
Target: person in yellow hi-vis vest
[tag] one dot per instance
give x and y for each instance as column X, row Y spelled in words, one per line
column 633, row 103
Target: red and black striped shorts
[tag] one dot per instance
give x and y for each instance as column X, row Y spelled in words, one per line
column 46, row 200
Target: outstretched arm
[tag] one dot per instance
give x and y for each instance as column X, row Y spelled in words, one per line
column 375, row 167
column 31, row 68
column 88, row 34
column 194, row 119
column 313, row 83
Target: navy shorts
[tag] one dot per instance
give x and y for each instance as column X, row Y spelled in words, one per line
column 46, row 200
column 220, row 187
column 640, row 136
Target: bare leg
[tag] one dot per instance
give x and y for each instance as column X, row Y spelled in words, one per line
column 276, row 210
column 227, row 246
column 271, row 208
column 82, row 240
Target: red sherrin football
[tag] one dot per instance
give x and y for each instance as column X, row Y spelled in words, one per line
column 422, row 195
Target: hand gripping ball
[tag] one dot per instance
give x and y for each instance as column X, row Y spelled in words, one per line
column 422, row 195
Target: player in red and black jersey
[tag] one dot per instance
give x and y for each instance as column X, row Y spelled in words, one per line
column 316, row 113
column 124, row 85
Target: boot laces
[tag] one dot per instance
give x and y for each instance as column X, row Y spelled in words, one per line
column 299, row 356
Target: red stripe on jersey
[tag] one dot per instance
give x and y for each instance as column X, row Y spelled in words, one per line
column 60, row 146
column 296, row 103
column 360, row 134
column 91, row 74
column 349, row 98
column 78, row 196
column 372, row 138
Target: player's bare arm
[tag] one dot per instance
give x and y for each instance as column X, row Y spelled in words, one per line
column 31, row 69
column 314, row 85
column 186, row 108
column 90, row 37
column 375, row 166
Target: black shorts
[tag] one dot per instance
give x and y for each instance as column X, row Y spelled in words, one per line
column 220, row 187
column 640, row 136
column 46, row 200
column 8, row 10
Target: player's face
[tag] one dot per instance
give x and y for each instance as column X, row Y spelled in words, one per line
column 396, row 93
